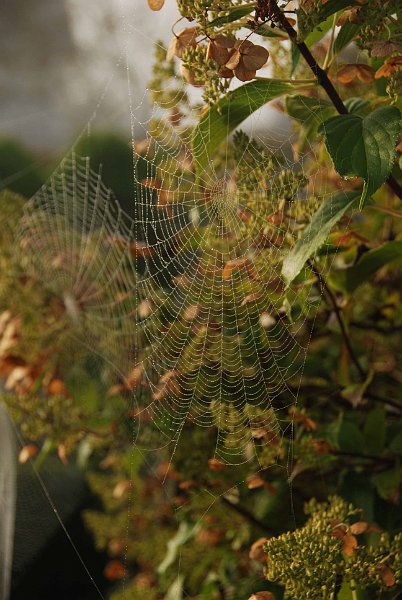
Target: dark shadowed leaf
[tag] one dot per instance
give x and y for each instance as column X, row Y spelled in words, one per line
column 364, row 147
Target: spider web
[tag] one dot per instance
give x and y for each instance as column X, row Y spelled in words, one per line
column 182, row 294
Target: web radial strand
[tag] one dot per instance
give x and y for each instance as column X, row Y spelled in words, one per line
column 184, row 295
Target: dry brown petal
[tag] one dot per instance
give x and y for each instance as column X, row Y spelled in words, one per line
column 56, row 387
column 390, row 66
column 365, row 73
column 253, row 297
column 244, row 74
column 144, row 309
column 349, row 544
column 346, row 73
column 219, row 49
column 243, row 45
column 385, row 48
column 26, row 453
column 191, row 312
column 226, row 73
column 257, row 550
column 254, row 482
column 209, row 537
column 120, row 489
column 175, row 116
column 255, row 59
column 115, row 570
column 185, row 38
column 133, row 379
column 234, row 60
column 62, row 453
column 321, row 447
column 235, row 265
column 215, row 464
column 156, row 4
column 386, row 574
column 359, row 528
column 190, row 77
column 224, row 42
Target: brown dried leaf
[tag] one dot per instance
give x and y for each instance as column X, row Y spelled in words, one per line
column 254, row 482
column 257, row 550
column 349, row 544
column 121, row 488
column 115, row 570
column 359, row 528
column 387, row 575
column 26, row 453
column 216, row 464
column 156, row 4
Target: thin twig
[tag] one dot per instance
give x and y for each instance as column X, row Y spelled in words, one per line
column 248, row 516
column 338, row 314
column 322, row 78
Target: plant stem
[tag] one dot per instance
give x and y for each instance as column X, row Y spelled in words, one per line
column 248, row 516
column 338, row 314
column 322, row 78
column 301, row 82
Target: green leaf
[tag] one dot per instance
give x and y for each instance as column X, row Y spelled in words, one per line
column 222, row 118
column 318, row 32
column 316, row 232
column 396, row 444
column 350, row 439
column 364, row 147
column 358, row 106
column 308, row 110
column 333, row 6
column 374, row 431
column 345, row 36
column 369, row 263
column 294, row 58
column 237, row 12
column 346, row 593
column 387, row 482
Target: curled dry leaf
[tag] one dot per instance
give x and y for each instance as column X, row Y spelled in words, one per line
column 257, row 550
column 26, row 453
column 62, row 453
column 390, row 66
column 156, row 4
column 216, row 464
column 180, row 41
column 115, row 570
column 349, row 544
column 191, row 312
column 359, row 528
column 253, row 297
column 348, row 73
column 386, row 574
column 245, row 58
column 56, row 387
column 384, row 48
column 121, row 488
column 190, row 77
column 237, row 264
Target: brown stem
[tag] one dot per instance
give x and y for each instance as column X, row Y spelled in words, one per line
column 248, row 516
column 338, row 314
column 322, row 78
